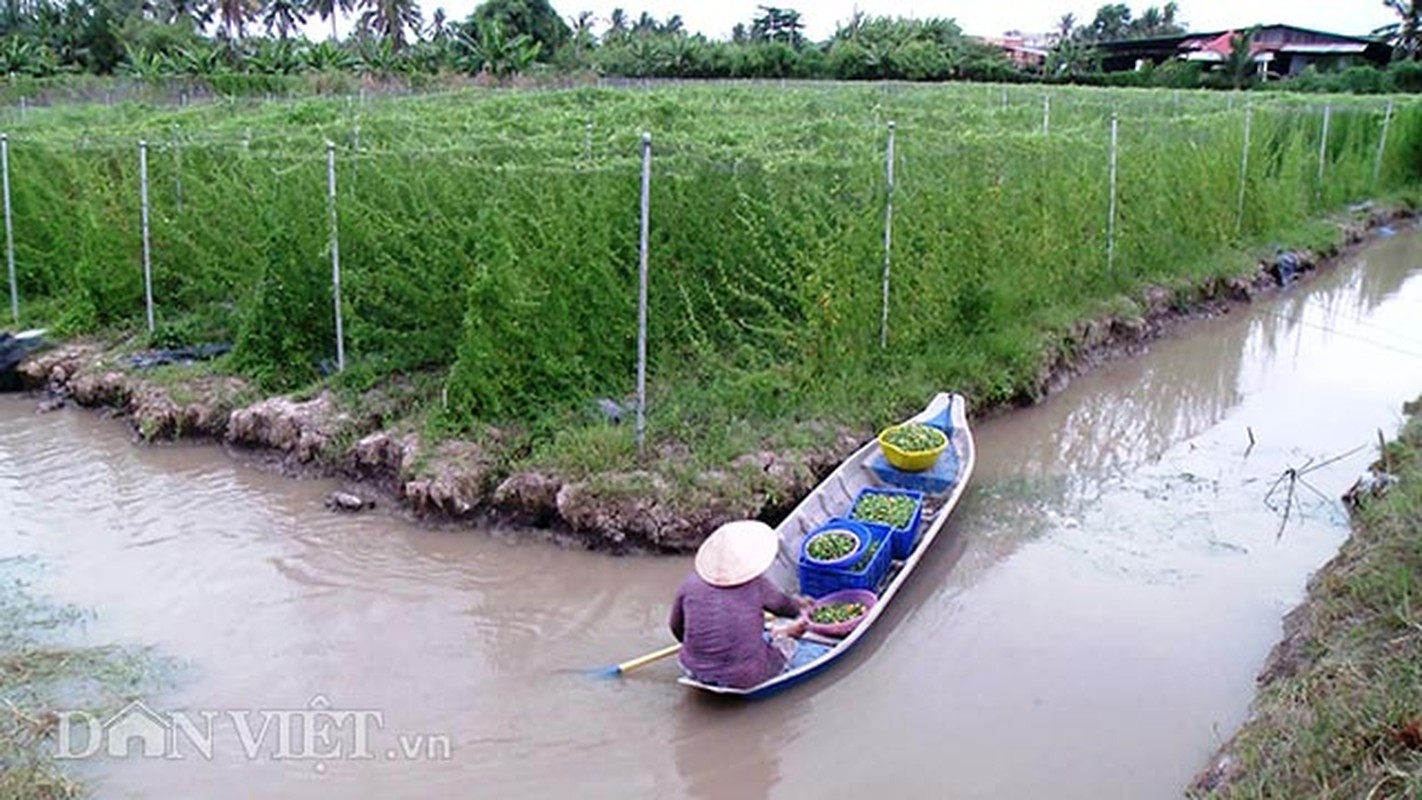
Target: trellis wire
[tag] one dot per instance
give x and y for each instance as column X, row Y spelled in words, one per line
column 624, row 164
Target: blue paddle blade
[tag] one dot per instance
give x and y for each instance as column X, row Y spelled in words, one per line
column 641, row 661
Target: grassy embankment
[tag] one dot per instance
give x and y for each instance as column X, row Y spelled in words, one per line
column 41, row 673
column 1341, row 715
column 489, row 242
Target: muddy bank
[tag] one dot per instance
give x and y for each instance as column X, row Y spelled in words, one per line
column 385, row 457
column 378, row 444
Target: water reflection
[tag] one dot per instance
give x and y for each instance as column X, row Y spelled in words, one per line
column 1133, row 411
column 727, row 749
column 1044, row 468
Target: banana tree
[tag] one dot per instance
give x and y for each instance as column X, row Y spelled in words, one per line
column 145, row 64
column 330, row 57
column 21, row 56
column 492, row 51
column 200, row 61
column 276, row 57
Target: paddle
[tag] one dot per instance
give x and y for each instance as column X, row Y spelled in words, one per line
column 618, row 670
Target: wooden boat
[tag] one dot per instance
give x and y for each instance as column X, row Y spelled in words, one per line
column 833, row 497
column 13, row 349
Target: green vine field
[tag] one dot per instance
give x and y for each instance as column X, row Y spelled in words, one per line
column 491, row 237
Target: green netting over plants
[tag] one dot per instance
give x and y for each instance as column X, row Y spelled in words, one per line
column 493, row 236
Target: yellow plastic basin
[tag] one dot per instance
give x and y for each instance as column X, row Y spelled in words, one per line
column 912, row 460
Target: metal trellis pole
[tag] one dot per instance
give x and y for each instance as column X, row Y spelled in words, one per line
column 888, row 236
column 177, row 169
column 9, row 228
column 335, row 255
column 1323, row 149
column 1382, row 145
column 642, row 293
column 1111, row 218
column 1244, row 168
column 143, row 215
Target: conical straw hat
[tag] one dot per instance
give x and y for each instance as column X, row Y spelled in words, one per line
column 737, row 552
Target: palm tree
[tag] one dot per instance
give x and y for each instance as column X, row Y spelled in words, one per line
column 283, row 16
column 1168, row 15
column 390, row 18
column 1406, row 33
column 582, row 26
column 1073, row 57
column 1065, row 27
column 778, row 25
column 1157, row 22
column 583, row 40
column 1239, row 64
column 1147, row 23
column 233, row 15
column 330, row 9
column 174, row 12
column 438, row 31
column 617, row 25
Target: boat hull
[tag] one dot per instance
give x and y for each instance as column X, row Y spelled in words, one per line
column 833, row 497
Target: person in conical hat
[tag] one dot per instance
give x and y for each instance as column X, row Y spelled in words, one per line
column 718, row 614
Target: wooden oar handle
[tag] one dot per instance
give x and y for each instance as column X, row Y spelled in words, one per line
column 642, row 661
column 658, row 655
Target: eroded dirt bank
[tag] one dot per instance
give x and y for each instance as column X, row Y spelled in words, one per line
column 367, row 443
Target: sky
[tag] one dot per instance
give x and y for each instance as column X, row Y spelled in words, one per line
column 715, row 18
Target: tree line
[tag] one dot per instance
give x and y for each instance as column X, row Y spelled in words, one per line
column 502, row 38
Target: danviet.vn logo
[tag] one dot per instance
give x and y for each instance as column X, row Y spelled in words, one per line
column 318, row 732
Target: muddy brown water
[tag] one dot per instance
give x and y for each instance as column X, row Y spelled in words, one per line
column 1089, row 626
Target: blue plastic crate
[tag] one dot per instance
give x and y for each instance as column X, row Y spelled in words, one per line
column 936, row 480
column 818, row 581
column 904, row 538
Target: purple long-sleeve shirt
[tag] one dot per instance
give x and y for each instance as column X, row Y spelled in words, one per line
column 720, row 630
